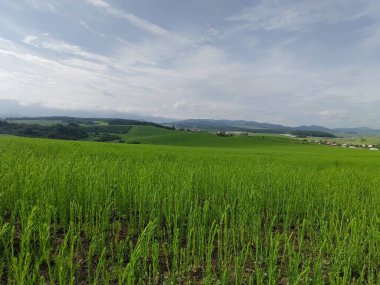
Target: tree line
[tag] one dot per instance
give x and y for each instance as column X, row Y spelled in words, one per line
column 305, row 134
column 58, row 131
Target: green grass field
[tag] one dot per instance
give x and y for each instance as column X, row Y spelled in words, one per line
column 159, row 136
column 188, row 208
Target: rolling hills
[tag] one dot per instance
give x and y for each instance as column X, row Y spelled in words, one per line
column 159, row 136
column 252, row 126
column 202, row 125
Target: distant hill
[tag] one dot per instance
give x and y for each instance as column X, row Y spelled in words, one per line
column 229, row 125
column 51, row 120
column 13, row 109
column 256, row 127
column 160, row 136
column 313, row 128
column 361, row 130
column 199, row 124
column 73, row 128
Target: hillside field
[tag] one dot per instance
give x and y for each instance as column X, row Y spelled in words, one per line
column 159, row 136
column 187, row 208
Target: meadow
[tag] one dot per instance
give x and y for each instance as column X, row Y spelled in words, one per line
column 185, row 208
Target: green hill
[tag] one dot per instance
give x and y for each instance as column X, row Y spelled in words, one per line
column 159, row 136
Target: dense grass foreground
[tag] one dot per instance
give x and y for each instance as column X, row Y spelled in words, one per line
column 90, row 213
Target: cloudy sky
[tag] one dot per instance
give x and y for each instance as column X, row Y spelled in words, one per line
column 290, row 62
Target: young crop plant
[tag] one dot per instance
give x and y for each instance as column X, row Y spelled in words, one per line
column 271, row 212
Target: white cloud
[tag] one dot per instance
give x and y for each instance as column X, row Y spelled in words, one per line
column 42, row 5
column 134, row 20
column 282, row 78
column 293, row 15
column 87, row 27
column 31, row 40
column 372, row 38
column 84, row 64
column 5, row 43
column 184, row 105
column 60, row 84
column 199, row 81
column 47, row 5
column 63, row 47
column 99, row 3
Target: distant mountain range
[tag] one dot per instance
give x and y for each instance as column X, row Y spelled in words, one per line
column 12, row 108
column 252, row 126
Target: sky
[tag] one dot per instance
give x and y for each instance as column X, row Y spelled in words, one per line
column 278, row 61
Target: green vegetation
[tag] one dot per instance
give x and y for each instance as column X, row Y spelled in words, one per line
column 69, row 128
column 65, row 132
column 107, row 138
column 159, row 136
column 48, row 121
column 304, row 134
column 35, row 121
column 134, row 122
column 267, row 211
column 70, row 131
column 108, row 129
